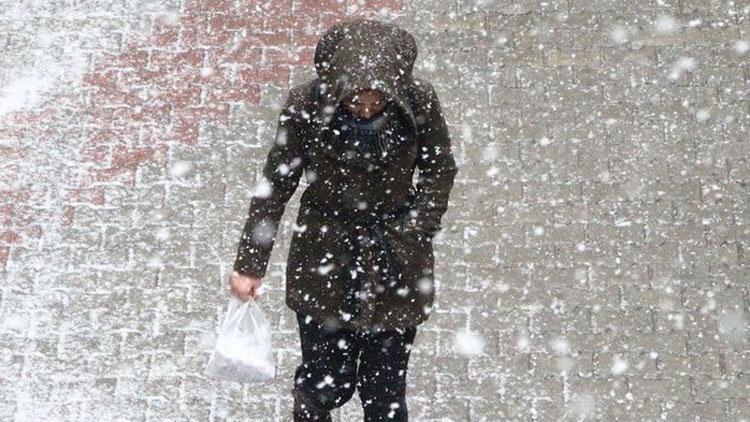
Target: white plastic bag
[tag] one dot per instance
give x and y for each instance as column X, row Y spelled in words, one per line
column 243, row 351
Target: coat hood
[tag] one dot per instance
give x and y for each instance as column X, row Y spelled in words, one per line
column 364, row 53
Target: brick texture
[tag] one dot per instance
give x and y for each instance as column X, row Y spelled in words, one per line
column 596, row 242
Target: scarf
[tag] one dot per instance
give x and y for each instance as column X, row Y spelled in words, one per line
column 364, row 141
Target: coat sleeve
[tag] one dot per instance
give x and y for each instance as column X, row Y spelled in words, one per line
column 284, row 165
column 437, row 169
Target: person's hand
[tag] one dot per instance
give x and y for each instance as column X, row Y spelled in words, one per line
column 244, row 286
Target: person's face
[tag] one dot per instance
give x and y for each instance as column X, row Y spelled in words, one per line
column 366, row 103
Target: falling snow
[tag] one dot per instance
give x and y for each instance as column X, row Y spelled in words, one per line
column 592, row 263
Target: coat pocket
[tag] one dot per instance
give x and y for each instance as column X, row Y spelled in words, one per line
column 411, row 253
column 315, row 246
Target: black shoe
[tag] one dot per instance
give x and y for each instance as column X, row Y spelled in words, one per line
column 305, row 411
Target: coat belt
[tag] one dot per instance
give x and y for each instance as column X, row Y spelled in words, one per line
column 360, row 227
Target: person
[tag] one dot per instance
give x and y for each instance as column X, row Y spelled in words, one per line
column 360, row 268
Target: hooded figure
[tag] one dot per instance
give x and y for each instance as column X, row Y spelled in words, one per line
column 361, row 255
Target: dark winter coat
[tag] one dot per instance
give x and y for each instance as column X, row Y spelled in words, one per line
column 359, row 224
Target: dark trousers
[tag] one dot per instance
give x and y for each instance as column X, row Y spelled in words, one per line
column 335, row 361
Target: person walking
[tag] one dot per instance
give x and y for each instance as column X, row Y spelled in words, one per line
column 360, row 268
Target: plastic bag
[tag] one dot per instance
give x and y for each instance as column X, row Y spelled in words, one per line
column 243, row 351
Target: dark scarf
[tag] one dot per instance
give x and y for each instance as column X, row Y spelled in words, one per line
column 367, row 141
